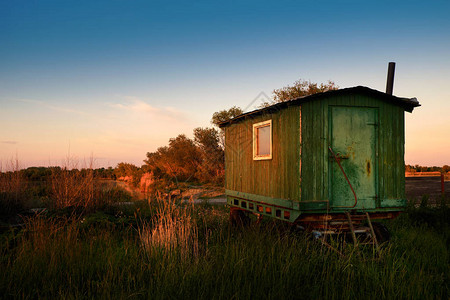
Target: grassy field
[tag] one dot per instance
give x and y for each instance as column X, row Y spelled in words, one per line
column 162, row 249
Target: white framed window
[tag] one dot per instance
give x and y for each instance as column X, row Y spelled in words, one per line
column 262, row 140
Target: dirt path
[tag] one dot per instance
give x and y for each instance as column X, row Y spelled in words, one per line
column 216, row 200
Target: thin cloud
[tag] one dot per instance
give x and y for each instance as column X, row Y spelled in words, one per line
column 53, row 107
column 136, row 105
column 9, row 142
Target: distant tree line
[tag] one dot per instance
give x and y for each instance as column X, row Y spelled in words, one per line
column 44, row 173
column 200, row 160
column 418, row 168
column 204, row 154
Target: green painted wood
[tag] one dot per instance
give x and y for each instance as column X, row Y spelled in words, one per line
column 390, row 147
column 260, row 204
column 300, row 167
column 307, row 206
column 353, row 132
column 277, row 177
column 261, row 199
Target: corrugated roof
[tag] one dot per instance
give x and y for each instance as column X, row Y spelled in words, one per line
column 407, row 103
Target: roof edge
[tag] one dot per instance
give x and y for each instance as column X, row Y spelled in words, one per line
column 407, row 103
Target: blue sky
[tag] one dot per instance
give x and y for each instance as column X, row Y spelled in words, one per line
column 116, row 79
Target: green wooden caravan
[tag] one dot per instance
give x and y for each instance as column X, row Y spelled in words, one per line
column 314, row 159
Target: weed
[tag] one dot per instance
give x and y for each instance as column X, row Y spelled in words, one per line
column 424, row 201
column 173, row 230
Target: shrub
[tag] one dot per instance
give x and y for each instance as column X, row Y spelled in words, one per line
column 13, row 191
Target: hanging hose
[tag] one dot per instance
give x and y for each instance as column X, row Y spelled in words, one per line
column 346, row 178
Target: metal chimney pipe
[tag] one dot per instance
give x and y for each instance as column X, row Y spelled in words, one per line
column 390, row 78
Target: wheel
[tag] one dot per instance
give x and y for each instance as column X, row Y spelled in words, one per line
column 381, row 232
column 239, row 217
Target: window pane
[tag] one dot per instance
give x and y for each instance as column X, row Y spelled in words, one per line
column 263, row 138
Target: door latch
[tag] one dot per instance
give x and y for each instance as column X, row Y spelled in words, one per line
column 339, row 156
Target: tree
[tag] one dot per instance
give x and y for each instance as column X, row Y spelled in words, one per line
column 212, row 165
column 125, row 169
column 300, row 88
column 177, row 161
column 225, row 115
column 207, row 139
column 409, row 168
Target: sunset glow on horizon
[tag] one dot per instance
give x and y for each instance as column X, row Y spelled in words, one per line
column 114, row 80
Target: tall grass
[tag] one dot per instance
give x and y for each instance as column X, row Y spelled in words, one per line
column 167, row 249
column 73, row 188
column 61, row 260
column 69, row 188
column 172, row 231
column 192, row 252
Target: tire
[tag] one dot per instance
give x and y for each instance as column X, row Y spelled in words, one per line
column 239, row 218
column 381, row 232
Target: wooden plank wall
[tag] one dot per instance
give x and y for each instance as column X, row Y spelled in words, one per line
column 278, row 177
column 315, row 156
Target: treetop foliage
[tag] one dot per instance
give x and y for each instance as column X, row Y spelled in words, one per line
column 199, row 160
column 125, row 169
column 419, row 168
column 299, row 88
column 174, row 161
column 225, row 115
column 302, row 88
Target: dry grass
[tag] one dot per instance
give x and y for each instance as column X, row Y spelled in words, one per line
column 78, row 188
column 41, row 232
column 172, row 231
column 72, row 188
column 13, row 188
column 68, row 187
column 59, row 258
